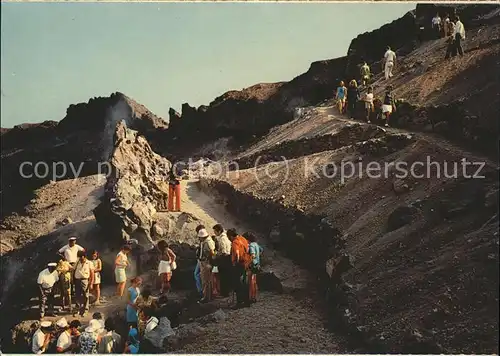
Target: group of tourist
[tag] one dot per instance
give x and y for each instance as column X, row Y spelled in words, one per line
column 227, row 262
column 452, row 29
column 98, row 336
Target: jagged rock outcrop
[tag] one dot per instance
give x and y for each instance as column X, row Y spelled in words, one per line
column 251, row 112
column 81, row 140
column 135, row 188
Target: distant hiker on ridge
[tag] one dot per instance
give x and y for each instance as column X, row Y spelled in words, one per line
column 365, row 73
column 341, row 96
column 436, row 25
column 46, row 281
column 459, row 36
column 389, row 62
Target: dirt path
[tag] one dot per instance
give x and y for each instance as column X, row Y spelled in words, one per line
column 291, row 322
column 332, row 113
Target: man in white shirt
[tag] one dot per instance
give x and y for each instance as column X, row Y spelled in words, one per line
column 223, row 246
column 46, row 280
column 207, row 253
column 436, row 25
column 389, row 62
column 65, row 342
column 41, row 338
column 84, row 277
column 458, row 36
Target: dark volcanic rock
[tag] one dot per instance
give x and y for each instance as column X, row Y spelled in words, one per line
column 400, row 217
column 82, row 139
column 135, row 189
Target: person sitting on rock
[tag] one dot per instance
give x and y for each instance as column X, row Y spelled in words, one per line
column 110, row 340
column 389, row 105
column 145, row 300
column 41, row 338
column 340, row 96
column 174, row 190
column 46, row 281
column 365, row 73
column 121, row 264
column 207, row 252
column 368, row 103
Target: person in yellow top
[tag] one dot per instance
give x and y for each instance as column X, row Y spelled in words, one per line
column 64, row 269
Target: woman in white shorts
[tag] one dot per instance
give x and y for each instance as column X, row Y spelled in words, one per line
column 96, row 287
column 121, row 263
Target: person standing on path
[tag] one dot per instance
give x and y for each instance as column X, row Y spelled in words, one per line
column 459, row 36
column 368, row 103
column 352, row 98
column 197, row 270
column 121, row 263
column 340, row 96
column 389, row 62
column 96, row 286
column 255, row 251
column 64, row 270
column 70, row 253
column 84, row 277
column 241, row 260
column 174, row 190
column 46, row 281
column 206, row 255
column 389, row 105
column 133, row 294
column 436, row 26
column 223, row 250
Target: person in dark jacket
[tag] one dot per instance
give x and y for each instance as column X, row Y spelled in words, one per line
column 388, row 105
column 352, row 98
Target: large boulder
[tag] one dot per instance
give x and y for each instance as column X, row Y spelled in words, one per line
column 135, row 189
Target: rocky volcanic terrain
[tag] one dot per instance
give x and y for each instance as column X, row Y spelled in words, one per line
column 354, row 264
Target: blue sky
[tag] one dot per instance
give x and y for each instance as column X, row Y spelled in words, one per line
column 165, row 54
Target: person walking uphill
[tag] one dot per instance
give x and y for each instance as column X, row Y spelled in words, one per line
column 207, row 253
column 46, row 281
column 389, row 104
column 255, row 251
column 389, row 62
column 174, row 190
column 241, row 260
column 352, row 98
column 83, row 275
column 340, row 96
column 223, row 247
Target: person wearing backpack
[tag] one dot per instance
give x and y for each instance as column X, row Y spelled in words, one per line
column 241, row 260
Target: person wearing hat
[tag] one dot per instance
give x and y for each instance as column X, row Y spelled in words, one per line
column 206, row 254
column 65, row 342
column 83, row 275
column 41, row 338
column 90, row 338
column 46, row 280
column 70, row 253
